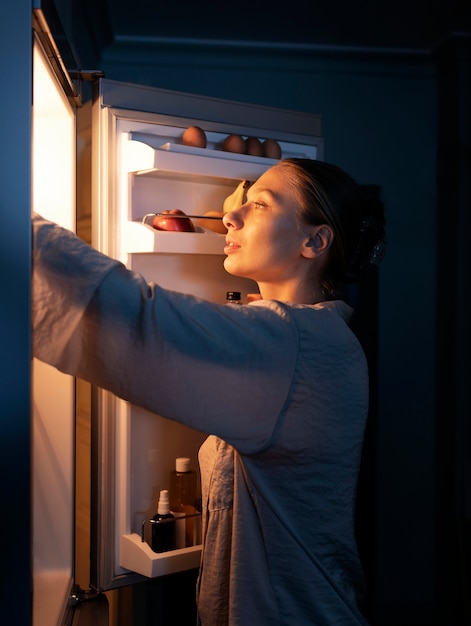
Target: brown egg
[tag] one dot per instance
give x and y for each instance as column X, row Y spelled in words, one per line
column 194, row 136
column 234, row 143
column 271, row 149
column 253, row 146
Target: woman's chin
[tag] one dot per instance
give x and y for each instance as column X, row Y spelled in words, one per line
column 231, row 268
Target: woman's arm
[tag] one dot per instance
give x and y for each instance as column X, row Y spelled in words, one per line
column 223, row 370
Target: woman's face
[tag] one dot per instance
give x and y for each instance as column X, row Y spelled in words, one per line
column 264, row 241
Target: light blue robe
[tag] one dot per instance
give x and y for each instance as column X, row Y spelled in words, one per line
column 282, row 392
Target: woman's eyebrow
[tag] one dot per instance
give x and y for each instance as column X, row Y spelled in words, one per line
column 259, row 190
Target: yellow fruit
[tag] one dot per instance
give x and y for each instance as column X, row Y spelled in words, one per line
column 216, row 225
column 234, row 143
column 194, row 136
column 237, row 198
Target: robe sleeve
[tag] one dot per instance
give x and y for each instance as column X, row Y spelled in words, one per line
column 224, row 370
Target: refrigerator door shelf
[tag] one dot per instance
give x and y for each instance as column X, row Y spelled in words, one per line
column 137, row 556
column 142, row 238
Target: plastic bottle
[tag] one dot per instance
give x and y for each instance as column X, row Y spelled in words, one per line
column 233, row 297
column 163, row 528
column 183, row 501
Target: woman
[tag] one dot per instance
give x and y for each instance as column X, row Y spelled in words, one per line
column 280, row 386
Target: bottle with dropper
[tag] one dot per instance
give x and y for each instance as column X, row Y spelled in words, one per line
column 163, row 526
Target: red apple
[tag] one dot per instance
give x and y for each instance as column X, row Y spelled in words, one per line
column 165, row 221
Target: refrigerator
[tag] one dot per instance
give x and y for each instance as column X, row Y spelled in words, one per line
column 102, row 166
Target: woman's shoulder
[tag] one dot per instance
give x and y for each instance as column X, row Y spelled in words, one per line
column 327, row 308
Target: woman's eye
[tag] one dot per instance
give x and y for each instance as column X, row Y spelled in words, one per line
column 259, row 205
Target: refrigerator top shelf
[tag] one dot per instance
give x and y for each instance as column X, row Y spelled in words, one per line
column 139, row 238
column 175, row 158
column 201, row 162
column 217, row 154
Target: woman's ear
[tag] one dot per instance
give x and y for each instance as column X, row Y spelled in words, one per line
column 318, row 242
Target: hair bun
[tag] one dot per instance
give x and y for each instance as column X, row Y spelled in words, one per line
column 371, row 245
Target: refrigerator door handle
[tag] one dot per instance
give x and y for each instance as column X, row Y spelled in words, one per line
column 46, row 39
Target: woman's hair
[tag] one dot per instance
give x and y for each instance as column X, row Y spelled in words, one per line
column 328, row 195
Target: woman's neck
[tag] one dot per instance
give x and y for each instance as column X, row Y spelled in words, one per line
column 299, row 293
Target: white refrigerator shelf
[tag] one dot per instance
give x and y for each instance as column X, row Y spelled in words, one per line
column 137, row 556
column 173, row 157
column 142, row 238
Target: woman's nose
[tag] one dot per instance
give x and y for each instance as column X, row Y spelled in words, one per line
column 226, row 220
column 230, row 220
column 235, row 217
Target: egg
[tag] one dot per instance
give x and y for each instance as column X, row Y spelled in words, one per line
column 271, row 149
column 234, row 143
column 253, row 146
column 194, row 136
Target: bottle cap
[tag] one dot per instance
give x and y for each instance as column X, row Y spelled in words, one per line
column 163, row 508
column 232, row 295
column 182, row 464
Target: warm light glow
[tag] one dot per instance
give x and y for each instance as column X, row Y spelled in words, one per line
column 53, row 148
column 53, row 392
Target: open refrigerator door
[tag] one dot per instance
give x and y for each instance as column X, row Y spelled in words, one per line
column 53, row 420
column 56, row 598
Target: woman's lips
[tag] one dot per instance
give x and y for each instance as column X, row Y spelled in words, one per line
column 231, row 246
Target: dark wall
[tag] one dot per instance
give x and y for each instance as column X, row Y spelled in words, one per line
column 453, row 394
column 15, row 267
